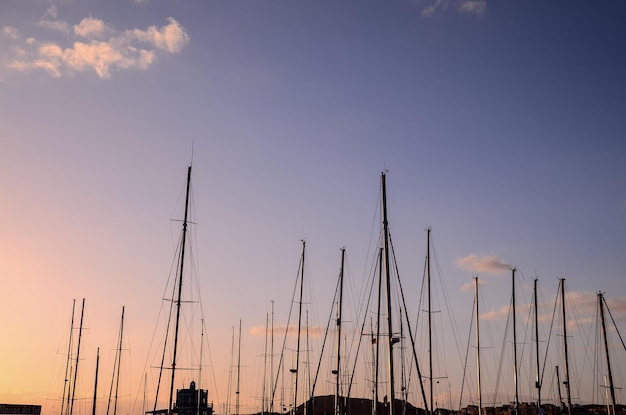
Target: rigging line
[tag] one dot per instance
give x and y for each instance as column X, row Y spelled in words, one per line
column 419, row 374
column 417, row 320
column 545, row 359
column 455, row 329
column 369, row 297
column 502, row 353
column 364, row 306
column 525, row 341
column 613, row 321
column 282, row 351
column 330, row 317
column 466, row 355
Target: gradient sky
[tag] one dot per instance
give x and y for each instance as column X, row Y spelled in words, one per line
column 501, row 124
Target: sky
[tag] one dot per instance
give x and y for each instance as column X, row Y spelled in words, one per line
column 499, row 124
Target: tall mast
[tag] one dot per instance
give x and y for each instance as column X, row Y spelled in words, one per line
column 200, row 366
column 567, row 384
column 388, row 289
column 272, row 359
column 373, row 344
column 230, row 372
column 116, row 376
column 338, row 405
column 180, row 287
column 606, row 351
column 538, row 379
column 95, row 383
column 238, row 371
column 295, row 371
column 263, row 400
column 67, row 362
column 80, row 333
column 480, row 403
column 515, row 345
column 558, row 386
column 430, row 333
column 377, row 356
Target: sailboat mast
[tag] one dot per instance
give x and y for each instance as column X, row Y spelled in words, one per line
column 263, row 400
column 377, row 339
column 238, row 371
column 515, row 344
column 67, row 362
column 388, row 289
column 272, row 359
column 538, row 379
column 480, row 404
column 80, row 333
column 558, row 386
column 180, row 287
column 230, row 372
column 95, row 383
column 295, row 392
column 430, row 333
column 119, row 361
column 606, row 351
column 338, row 406
column 200, row 366
column 567, row 384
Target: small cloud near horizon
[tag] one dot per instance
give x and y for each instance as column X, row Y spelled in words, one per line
column 486, row 264
column 92, row 45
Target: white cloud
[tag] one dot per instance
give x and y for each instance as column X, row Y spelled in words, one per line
column 50, row 21
column 485, row 264
column 91, row 28
column 55, row 25
column 97, row 47
column 171, row 38
column 476, row 7
column 11, row 32
column 51, row 13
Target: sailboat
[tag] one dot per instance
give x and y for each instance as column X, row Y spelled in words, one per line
column 191, row 400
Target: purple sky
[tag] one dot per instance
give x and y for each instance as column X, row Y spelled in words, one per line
column 501, row 125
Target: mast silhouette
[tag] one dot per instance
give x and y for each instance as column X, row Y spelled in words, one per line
column 567, row 384
column 80, row 333
column 238, row 371
column 377, row 339
column 338, row 403
column 180, row 286
column 272, row 358
column 480, row 403
column 606, row 351
column 68, row 366
column 515, row 345
column 95, row 383
column 116, row 376
column 538, row 379
column 390, row 340
column 295, row 371
column 430, row 333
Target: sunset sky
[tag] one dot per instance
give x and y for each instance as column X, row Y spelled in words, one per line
column 501, row 125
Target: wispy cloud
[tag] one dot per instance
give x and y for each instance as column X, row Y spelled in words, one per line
column 472, row 7
column 92, row 45
column 485, row 264
column 467, row 7
column 469, row 286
